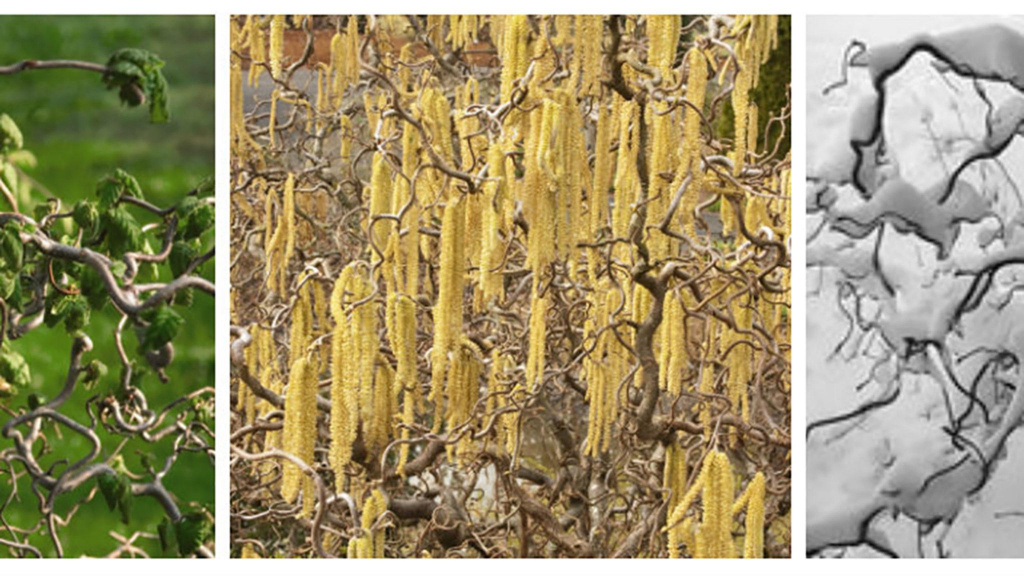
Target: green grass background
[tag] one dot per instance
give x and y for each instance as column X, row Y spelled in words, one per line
column 79, row 132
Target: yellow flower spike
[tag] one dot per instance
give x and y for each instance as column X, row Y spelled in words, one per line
column 707, row 380
column 380, row 203
column 491, row 250
column 302, row 319
column 351, row 59
column 402, row 335
column 372, row 544
column 538, row 335
column 289, row 223
column 753, row 544
column 343, row 373
column 448, row 308
column 752, row 128
column 300, row 432
column 276, row 45
column 700, row 484
column 515, row 55
column 378, row 426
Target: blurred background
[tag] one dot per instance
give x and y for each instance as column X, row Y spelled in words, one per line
column 79, row 132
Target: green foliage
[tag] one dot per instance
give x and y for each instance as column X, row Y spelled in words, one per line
column 164, row 324
column 124, row 234
column 191, row 531
column 112, row 187
column 72, row 309
column 130, row 70
column 10, row 136
column 116, row 488
column 12, row 251
column 14, row 372
column 86, row 215
column 196, row 217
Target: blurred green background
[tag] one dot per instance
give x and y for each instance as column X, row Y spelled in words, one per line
column 79, row 132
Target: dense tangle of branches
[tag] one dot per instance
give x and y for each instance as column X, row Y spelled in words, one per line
column 508, row 286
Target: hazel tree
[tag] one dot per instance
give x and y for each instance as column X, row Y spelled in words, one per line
column 509, row 286
column 112, row 254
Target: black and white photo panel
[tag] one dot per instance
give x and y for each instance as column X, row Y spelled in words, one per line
column 915, row 286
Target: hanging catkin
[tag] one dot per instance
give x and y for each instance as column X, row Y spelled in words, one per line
column 448, row 310
column 300, row 433
column 276, row 45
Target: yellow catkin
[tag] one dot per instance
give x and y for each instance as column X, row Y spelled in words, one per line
column 752, row 128
column 300, row 432
column 598, row 377
column 492, row 249
column 739, row 362
column 753, row 543
column 626, row 178
column 538, row 335
column 243, row 145
column 257, row 50
column 345, row 133
column 463, row 391
column 740, row 106
column 372, row 545
column 448, row 310
column 380, row 203
column 602, row 174
column 249, row 551
column 276, row 45
column 347, row 366
column 515, row 53
column 287, row 229
column 382, row 406
column 352, row 56
column 716, row 526
column 402, row 337
column 674, row 474
column 589, row 32
column 341, row 427
column 673, row 348
column 707, row 379
column 302, row 324
column 673, row 524
column 336, row 69
column 696, row 88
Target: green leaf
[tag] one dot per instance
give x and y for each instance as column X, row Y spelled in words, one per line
column 112, row 187
column 93, row 288
column 12, row 251
column 166, row 531
column 192, row 531
column 206, row 186
column 115, row 487
column 10, row 135
column 8, row 282
column 184, row 297
column 22, row 159
column 123, row 231
column 14, row 370
column 164, row 324
column 133, row 70
column 199, row 221
column 72, row 309
column 181, row 255
column 86, row 216
column 93, row 373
